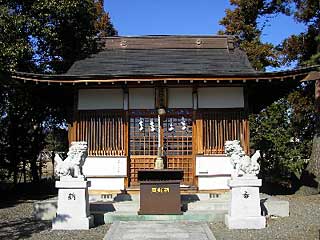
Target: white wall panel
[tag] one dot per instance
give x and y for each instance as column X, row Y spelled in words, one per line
column 180, row 97
column 213, row 172
column 105, row 184
column 213, row 165
column 141, row 98
column 105, row 166
column 90, row 99
column 221, row 97
column 213, row 183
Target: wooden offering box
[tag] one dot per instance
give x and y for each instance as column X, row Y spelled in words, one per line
column 160, row 191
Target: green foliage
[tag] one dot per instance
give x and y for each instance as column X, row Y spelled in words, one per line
column 304, row 47
column 283, row 132
column 242, row 21
column 49, row 35
column 15, row 49
column 25, row 123
column 41, row 36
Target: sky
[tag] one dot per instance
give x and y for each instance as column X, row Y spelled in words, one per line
column 185, row 17
column 191, row 17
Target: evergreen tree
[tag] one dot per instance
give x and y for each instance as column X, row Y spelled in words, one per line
column 243, row 22
column 40, row 36
column 294, row 116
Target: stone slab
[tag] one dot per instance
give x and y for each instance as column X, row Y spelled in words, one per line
column 72, row 183
column 278, row 208
column 159, row 230
column 245, row 182
column 200, row 216
column 245, row 222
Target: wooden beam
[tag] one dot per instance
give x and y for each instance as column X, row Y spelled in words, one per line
column 312, row 76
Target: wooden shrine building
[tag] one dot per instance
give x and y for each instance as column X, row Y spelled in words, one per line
column 204, row 87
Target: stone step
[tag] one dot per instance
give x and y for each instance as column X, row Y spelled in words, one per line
column 205, row 216
column 114, row 206
column 208, row 205
column 136, row 197
column 134, row 206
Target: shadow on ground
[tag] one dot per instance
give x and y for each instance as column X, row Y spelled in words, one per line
column 10, row 196
column 22, row 228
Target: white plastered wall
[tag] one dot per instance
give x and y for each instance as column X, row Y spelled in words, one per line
column 180, row 98
column 213, row 172
column 91, row 99
column 105, row 173
column 141, row 98
column 221, row 97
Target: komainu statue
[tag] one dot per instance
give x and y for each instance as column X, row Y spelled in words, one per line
column 242, row 163
column 72, row 165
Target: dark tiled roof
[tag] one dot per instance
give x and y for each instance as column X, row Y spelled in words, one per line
column 165, row 56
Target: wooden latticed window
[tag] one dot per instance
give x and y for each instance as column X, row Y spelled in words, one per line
column 103, row 130
column 143, row 135
column 220, row 126
column 178, row 135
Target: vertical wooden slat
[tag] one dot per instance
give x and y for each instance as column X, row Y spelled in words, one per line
column 220, row 126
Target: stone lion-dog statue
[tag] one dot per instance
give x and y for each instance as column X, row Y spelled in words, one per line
column 242, row 163
column 72, row 165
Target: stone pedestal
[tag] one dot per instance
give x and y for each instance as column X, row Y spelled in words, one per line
column 73, row 211
column 244, row 209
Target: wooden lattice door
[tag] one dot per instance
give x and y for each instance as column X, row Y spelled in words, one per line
column 143, row 147
column 177, row 142
column 175, row 137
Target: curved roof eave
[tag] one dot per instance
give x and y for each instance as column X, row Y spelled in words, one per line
column 306, row 74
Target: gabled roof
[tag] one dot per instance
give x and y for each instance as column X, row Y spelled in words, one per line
column 165, row 55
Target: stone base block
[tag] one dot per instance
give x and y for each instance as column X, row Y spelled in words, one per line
column 278, row 208
column 258, row 222
column 45, row 210
column 65, row 223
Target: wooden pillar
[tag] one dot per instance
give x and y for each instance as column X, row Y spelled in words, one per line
column 72, row 127
column 317, row 95
column 126, row 133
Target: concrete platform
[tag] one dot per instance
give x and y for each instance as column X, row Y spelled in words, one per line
column 159, row 230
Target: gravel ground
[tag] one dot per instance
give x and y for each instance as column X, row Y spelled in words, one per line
column 303, row 223
column 16, row 222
